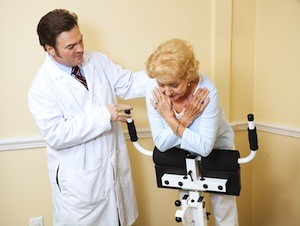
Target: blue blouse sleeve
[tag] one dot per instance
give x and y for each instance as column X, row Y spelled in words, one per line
column 201, row 135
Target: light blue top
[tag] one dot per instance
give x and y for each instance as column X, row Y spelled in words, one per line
column 210, row 130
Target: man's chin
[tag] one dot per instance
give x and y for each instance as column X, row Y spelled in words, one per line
column 79, row 60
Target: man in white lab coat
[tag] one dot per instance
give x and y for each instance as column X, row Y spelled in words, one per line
column 87, row 158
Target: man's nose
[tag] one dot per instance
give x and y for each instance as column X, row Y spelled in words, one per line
column 79, row 48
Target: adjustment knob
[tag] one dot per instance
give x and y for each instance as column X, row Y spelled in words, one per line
column 177, row 203
column 178, row 219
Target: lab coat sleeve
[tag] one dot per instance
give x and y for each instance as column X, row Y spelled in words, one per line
column 127, row 84
column 59, row 129
column 162, row 134
column 200, row 137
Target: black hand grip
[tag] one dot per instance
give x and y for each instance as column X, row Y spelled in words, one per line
column 131, row 128
column 250, row 117
column 252, row 135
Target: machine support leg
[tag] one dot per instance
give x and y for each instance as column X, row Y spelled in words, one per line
column 192, row 210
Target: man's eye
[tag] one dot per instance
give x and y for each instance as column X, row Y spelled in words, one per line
column 70, row 47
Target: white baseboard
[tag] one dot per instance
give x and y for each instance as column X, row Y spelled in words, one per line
column 37, row 142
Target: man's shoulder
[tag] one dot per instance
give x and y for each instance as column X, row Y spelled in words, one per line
column 90, row 56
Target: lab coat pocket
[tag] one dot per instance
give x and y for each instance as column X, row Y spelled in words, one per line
column 82, row 189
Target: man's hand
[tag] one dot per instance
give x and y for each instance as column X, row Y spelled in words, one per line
column 117, row 112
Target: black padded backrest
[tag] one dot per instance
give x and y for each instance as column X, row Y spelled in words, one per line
column 218, row 159
column 174, row 157
column 221, row 160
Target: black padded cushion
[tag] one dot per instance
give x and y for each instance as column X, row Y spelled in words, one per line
column 174, row 157
column 221, row 164
column 221, row 160
column 218, row 159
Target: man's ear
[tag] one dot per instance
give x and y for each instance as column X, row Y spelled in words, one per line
column 50, row 50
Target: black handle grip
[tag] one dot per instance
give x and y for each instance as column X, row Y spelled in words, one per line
column 250, row 117
column 252, row 135
column 131, row 129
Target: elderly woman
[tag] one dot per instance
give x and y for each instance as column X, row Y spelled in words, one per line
column 184, row 111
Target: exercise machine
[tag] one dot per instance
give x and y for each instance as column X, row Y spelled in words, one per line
column 193, row 174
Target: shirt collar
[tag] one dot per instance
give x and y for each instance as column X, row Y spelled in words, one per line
column 64, row 68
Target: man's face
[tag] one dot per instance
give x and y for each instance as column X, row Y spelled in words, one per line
column 69, row 48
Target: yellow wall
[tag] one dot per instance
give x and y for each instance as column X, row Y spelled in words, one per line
column 265, row 73
column 242, row 59
column 253, row 45
column 277, row 68
column 127, row 31
column 276, row 184
column 24, row 190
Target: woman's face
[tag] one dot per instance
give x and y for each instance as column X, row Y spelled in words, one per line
column 174, row 90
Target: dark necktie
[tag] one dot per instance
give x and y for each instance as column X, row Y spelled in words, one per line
column 78, row 76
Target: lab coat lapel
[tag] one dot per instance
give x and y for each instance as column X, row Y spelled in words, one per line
column 73, row 91
column 89, row 74
column 100, row 89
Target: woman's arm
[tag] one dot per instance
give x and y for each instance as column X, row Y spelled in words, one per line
column 163, row 136
column 166, row 128
column 200, row 136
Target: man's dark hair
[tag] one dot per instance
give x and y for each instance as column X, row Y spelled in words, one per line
column 53, row 24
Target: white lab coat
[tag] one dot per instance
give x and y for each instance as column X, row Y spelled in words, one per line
column 87, row 158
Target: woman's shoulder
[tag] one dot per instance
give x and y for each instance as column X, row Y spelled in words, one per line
column 205, row 81
column 151, row 86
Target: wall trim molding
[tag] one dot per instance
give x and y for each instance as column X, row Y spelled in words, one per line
column 37, row 142
column 279, row 129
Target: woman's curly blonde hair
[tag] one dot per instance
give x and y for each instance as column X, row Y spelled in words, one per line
column 172, row 60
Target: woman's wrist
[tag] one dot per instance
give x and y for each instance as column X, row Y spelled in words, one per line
column 177, row 128
column 176, row 125
column 184, row 122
